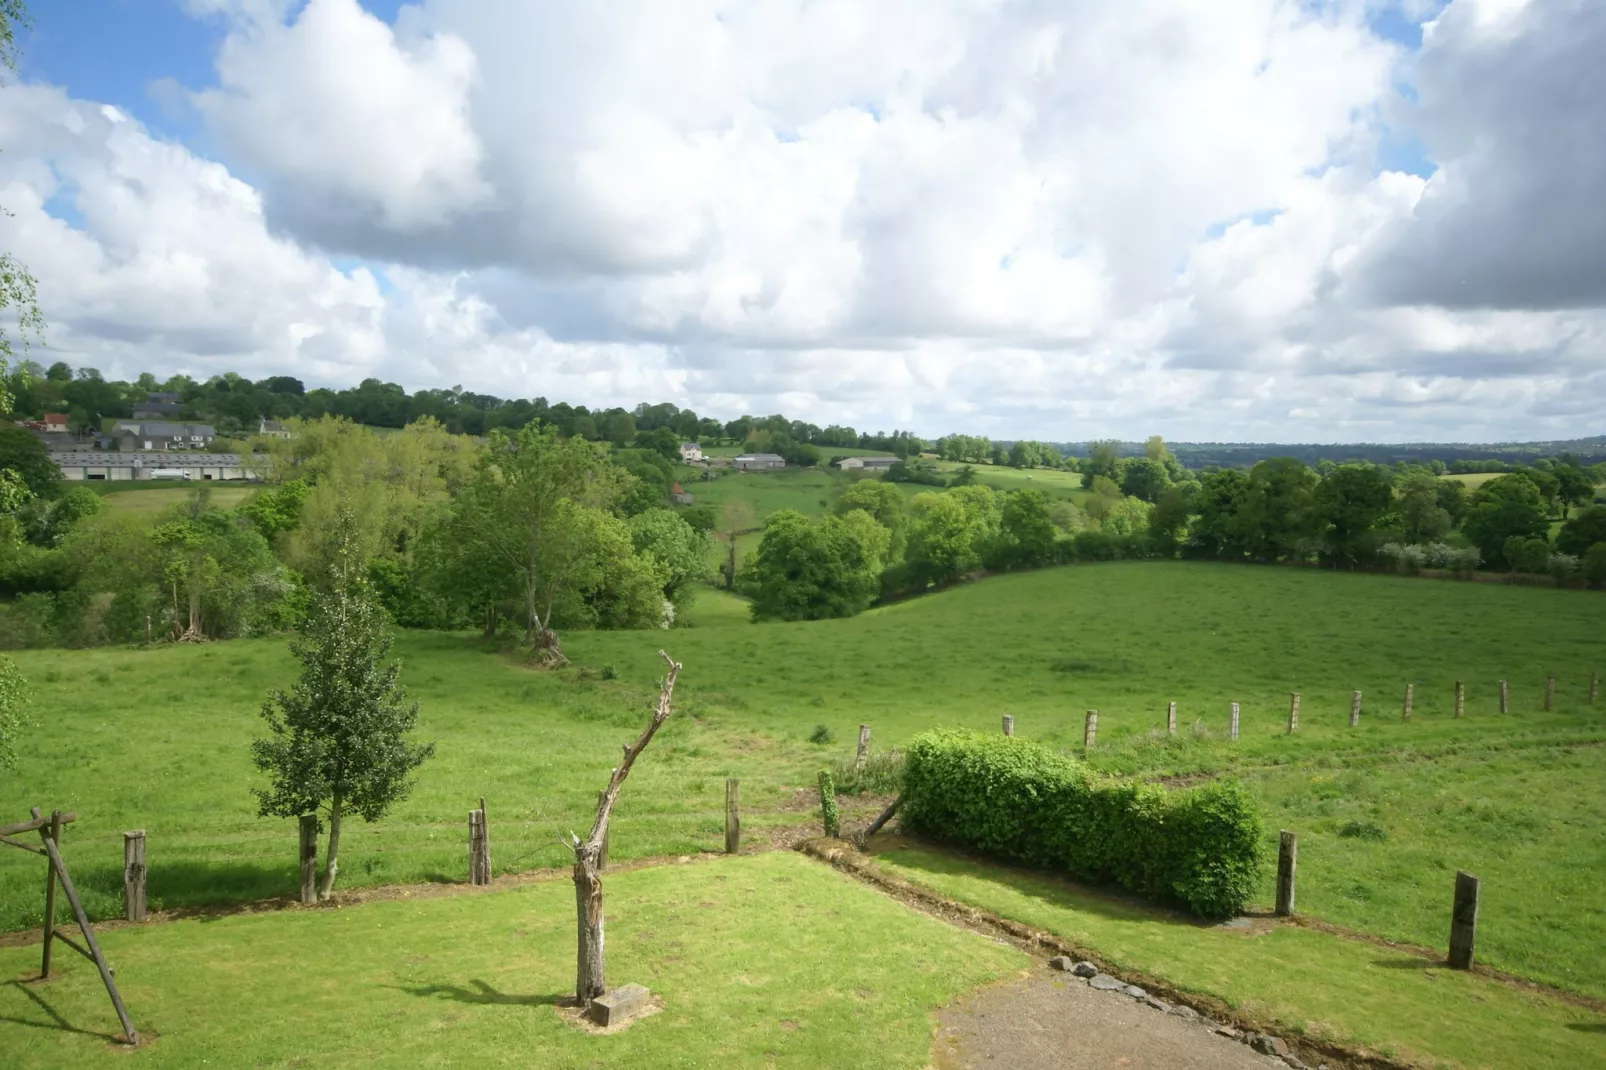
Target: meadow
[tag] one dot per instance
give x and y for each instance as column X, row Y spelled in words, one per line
column 153, row 496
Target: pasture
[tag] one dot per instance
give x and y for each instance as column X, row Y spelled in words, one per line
column 152, row 496
column 1051, row 481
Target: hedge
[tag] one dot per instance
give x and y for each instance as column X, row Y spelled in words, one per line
column 1015, row 799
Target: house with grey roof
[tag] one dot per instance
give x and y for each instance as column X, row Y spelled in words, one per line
column 162, row 435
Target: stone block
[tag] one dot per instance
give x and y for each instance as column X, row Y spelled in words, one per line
column 1105, row 982
column 1085, row 969
column 619, row 1004
column 1059, row 962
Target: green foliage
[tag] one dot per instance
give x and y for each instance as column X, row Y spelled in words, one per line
column 1027, row 534
column 22, row 453
column 1593, row 565
column 822, row 735
column 1019, row 800
column 1348, row 502
column 13, row 697
column 1526, row 554
column 679, row 550
column 1503, row 508
column 47, row 521
column 829, row 816
column 881, row 774
column 275, row 510
column 1585, row 529
column 808, row 571
column 1145, row 479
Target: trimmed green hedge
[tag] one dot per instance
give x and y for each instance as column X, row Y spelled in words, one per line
column 1016, row 799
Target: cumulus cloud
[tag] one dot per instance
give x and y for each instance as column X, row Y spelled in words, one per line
column 1034, row 219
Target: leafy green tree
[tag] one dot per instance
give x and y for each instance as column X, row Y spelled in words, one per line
column 942, row 539
column 680, row 550
column 662, row 441
column 1593, row 565
column 1168, row 524
column 47, row 521
column 808, row 571
column 649, row 489
column 277, row 509
column 1574, row 486
column 1145, row 479
column 1221, row 503
column 1278, row 518
column 338, row 740
column 1026, row 531
column 1128, row 518
column 1583, row 531
column 1103, row 459
column 1526, row 554
column 22, row 453
column 885, row 503
column 1423, row 519
column 1507, row 506
column 221, row 577
column 18, row 290
column 1348, row 503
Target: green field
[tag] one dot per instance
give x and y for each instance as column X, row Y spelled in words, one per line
column 153, row 496
column 1386, row 812
column 1051, row 481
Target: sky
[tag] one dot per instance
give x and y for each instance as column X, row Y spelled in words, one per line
column 1215, row 220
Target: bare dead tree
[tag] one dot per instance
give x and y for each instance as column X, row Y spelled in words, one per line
column 590, row 981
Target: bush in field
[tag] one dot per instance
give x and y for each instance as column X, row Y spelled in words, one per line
column 1019, row 800
column 1593, row 565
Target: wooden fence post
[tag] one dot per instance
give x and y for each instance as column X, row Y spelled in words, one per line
column 134, row 875
column 1405, row 710
column 602, row 855
column 733, row 815
column 1232, row 727
column 309, row 859
column 50, row 894
column 1293, row 712
column 1009, row 725
column 479, row 848
column 1171, row 719
column 864, row 747
column 1355, row 709
column 1090, row 729
column 1550, row 691
column 1460, row 698
column 1463, row 921
column 1505, row 697
column 1594, row 686
column 1287, row 857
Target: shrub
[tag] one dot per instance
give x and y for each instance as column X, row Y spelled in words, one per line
column 821, row 735
column 1016, row 799
column 828, row 811
column 881, row 774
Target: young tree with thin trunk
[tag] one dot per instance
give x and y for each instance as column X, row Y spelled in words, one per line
column 590, row 973
column 339, row 739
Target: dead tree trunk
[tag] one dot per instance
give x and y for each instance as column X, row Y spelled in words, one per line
column 590, row 972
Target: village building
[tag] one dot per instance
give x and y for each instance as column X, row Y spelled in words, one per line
column 867, row 464
column 162, row 435
column 691, row 453
column 758, row 462
column 170, row 465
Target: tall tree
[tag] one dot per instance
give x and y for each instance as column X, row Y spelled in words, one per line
column 1348, row 502
column 1505, row 507
column 339, row 739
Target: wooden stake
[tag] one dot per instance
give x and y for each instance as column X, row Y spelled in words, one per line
column 1090, row 729
column 1293, row 712
column 1463, row 921
column 479, row 849
column 1287, row 857
column 864, row 747
column 1460, row 698
column 1355, row 709
column 309, row 859
column 1232, row 726
column 733, row 814
column 886, row 815
column 1550, row 691
column 1009, row 725
column 134, row 875
column 1594, row 686
column 50, row 895
column 1171, row 719
column 1405, row 710
column 1505, row 698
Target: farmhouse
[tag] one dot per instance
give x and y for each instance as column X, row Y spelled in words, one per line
column 272, row 429
column 691, row 453
column 161, row 435
column 55, row 422
column 867, row 464
column 759, row 462
column 124, row 466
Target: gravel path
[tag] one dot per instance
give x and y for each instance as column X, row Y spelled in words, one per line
column 1054, row 1020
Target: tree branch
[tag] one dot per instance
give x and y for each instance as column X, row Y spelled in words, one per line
column 660, row 714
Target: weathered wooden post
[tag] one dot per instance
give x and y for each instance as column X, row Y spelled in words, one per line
column 1355, row 709
column 50, row 893
column 1171, row 719
column 147, row 629
column 1293, row 712
column 733, row 815
column 1405, row 709
column 864, row 747
column 1505, row 697
column 479, row 848
column 1009, row 725
column 1594, row 686
column 1090, row 729
column 1232, row 726
column 309, row 859
column 1550, row 691
column 1287, row 857
column 602, row 854
column 1463, row 921
column 134, row 875
column 1460, row 698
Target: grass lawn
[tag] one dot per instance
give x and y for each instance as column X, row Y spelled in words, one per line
column 1313, row 983
column 158, row 739
column 1051, row 481
column 153, row 499
column 761, row 961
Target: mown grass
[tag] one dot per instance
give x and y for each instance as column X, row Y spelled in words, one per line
column 1312, row 983
column 156, row 498
column 158, row 739
column 1051, row 481
column 760, row 961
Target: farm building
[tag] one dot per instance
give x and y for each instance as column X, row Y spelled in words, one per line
column 867, row 464
column 56, row 422
column 691, row 453
column 123, row 466
column 758, row 462
column 162, row 435
column 272, row 429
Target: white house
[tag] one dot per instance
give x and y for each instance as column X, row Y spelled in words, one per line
column 691, row 453
column 758, row 462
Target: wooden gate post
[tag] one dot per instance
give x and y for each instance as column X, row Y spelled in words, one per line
column 1232, row 727
column 1550, row 691
column 733, row 815
column 1293, row 712
column 50, row 894
column 309, row 859
column 1090, row 729
column 1355, row 709
column 864, row 747
column 1405, row 710
column 1287, row 857
column 1009, row 725
column 1463, row 921
column 1460, row 698
column 1171, row 719
column 1505, row 697
column 134, row 875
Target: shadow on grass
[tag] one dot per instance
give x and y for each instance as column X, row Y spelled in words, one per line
column 56, row 1022
column 1587, row 1027
column 482, row 994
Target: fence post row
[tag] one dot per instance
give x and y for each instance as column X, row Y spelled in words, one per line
column 1090, row 729
column 1463, row 921
column 1293, row 712
column 134, row 875
column 733, row 816
column 1287, row 857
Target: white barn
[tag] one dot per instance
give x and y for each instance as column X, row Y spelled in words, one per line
column 126, row 466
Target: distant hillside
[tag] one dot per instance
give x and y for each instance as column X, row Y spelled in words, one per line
column 1243, row 454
